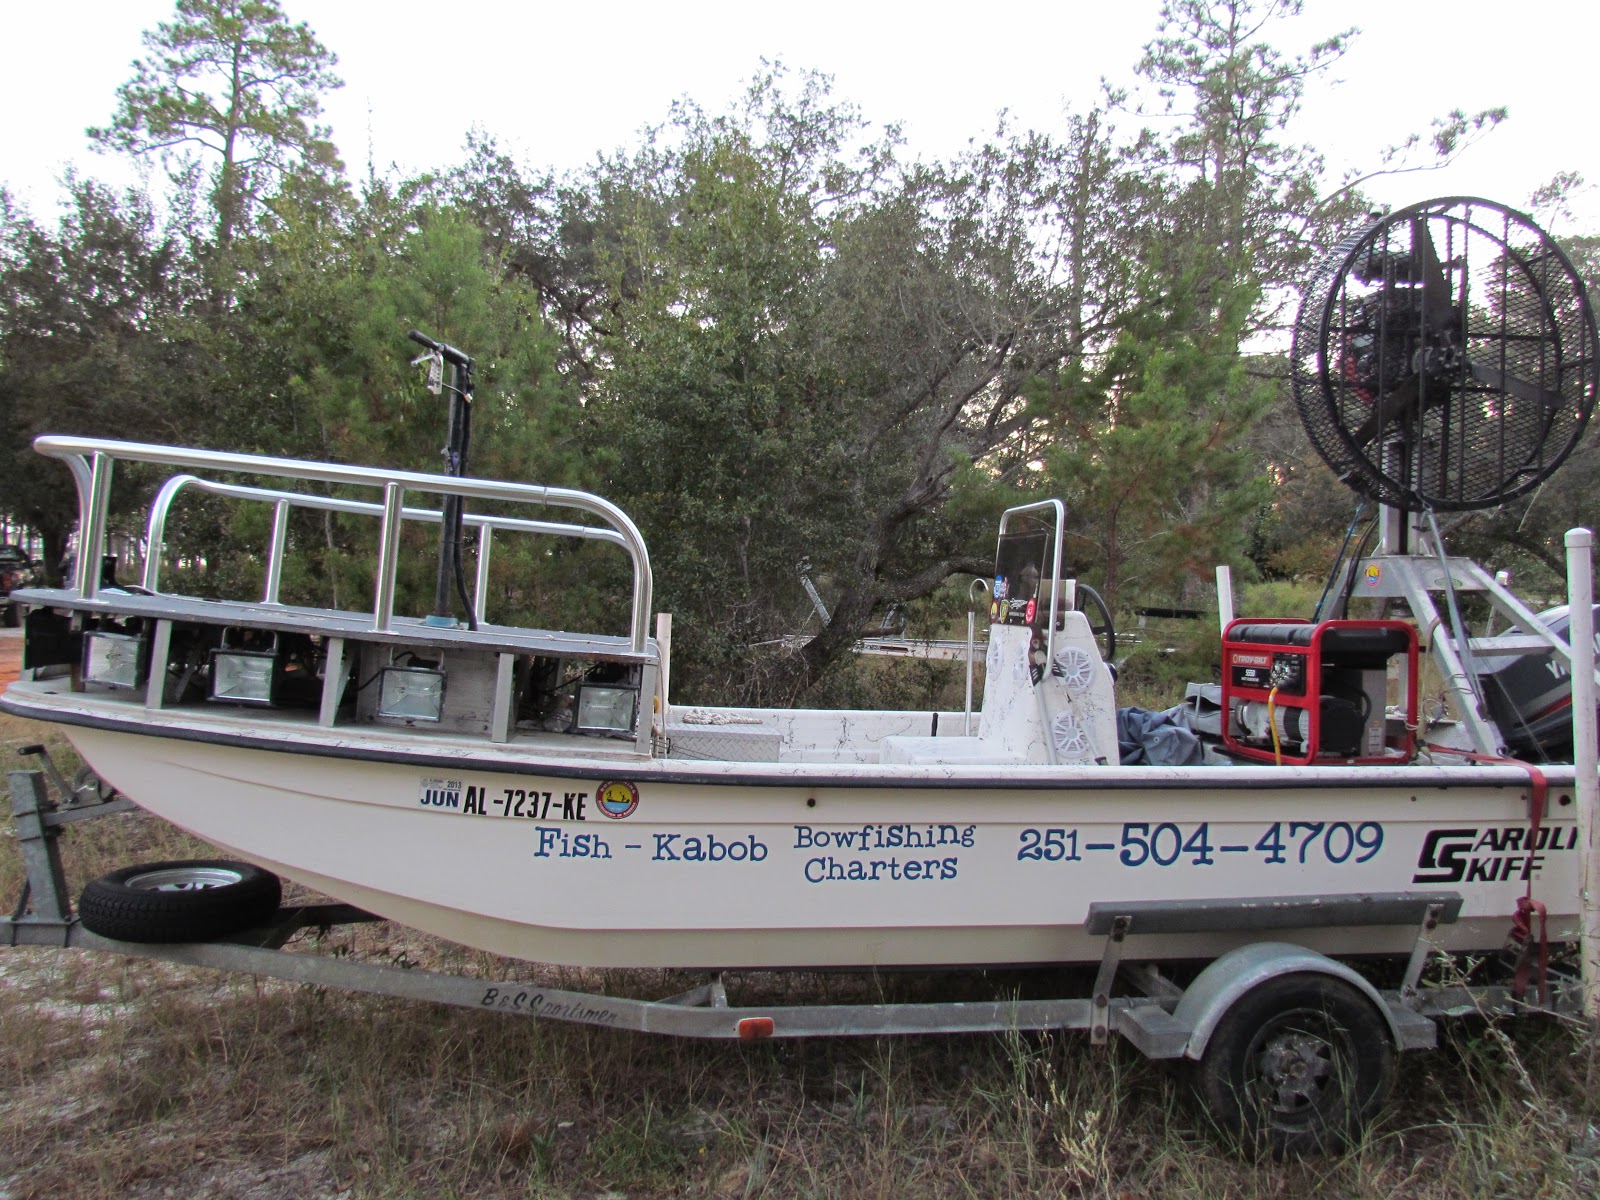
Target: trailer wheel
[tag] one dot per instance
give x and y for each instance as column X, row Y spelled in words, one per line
column 188, row 901
column 1297, row 1066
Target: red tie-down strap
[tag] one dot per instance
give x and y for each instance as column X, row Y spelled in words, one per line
column 1521, row 939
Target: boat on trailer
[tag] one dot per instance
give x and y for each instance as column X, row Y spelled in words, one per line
column 432, row 774
column 538, row 794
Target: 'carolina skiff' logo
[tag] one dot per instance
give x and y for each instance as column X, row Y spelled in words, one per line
column 617, row 799
column 1489, row 855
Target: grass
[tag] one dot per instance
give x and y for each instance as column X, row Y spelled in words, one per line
column 139, row 1079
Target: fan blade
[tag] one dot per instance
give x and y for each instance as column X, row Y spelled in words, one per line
column 1437, row 310
column 1514, row 385
column 1394, row 404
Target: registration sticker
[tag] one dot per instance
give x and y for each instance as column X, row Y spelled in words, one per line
column 439, row 793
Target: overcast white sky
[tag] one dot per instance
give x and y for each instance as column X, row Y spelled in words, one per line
column 557, row 83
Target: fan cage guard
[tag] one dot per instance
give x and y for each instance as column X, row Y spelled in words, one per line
column 1365, row 335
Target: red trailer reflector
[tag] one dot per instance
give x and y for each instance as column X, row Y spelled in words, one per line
column 755, row 1027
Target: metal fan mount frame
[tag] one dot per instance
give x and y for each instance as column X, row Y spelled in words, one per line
column 1444, row 357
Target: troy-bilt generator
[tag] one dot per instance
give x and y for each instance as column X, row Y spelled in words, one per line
column 1297, row 692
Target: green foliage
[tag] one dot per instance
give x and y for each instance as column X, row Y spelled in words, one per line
column 1244, row 203
column 1149, row 456
column 785, row 347
column 86, row 345
column 709, row 409
column 234, row 79
column 1169, row 655
column 802, row 358
column 321, row 330
column 1279, row 598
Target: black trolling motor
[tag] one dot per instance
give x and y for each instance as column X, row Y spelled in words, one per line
column 457, row 442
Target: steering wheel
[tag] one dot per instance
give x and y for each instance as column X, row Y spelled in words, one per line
column 1093, row 605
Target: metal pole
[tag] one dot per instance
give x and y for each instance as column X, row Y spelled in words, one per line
column 92, row 534
column 450, row 529
column 457, row 440
column 480, row 589
column 1580, row 631
column 977, row 593
column 388, row 556
column 275, row 552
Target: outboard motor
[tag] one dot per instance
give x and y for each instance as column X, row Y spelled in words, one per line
column 1530, row 696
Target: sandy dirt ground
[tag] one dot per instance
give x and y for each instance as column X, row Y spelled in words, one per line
column 10, row 654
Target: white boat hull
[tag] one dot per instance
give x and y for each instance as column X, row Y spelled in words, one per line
column 774, row 865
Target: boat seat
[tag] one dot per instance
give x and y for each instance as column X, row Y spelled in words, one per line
column 925, row 750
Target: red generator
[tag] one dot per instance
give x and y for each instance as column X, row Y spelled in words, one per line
column 1294, row 692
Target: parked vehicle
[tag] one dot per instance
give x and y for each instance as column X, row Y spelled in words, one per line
column 16, row 571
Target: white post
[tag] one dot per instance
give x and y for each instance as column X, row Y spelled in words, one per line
column 1580, row 635
column 664, row 648
column 1224, row 595
column 977, row 594
column 966, row 717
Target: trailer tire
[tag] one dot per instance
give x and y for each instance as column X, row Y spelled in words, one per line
column 192, row 900
column 1297, row 1066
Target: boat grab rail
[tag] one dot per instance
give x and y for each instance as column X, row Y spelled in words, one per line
column 91, row 461
column 282, row 501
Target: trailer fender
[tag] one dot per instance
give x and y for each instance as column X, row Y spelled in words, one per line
column 1225, row 981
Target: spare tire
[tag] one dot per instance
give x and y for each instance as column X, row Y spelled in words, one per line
column 194, row 900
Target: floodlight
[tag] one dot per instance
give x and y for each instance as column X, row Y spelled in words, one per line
column 606, row 709
column 411, row 693
column 113, row 659
column 244, row 676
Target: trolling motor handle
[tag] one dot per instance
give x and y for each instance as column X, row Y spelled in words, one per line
column 456, row 357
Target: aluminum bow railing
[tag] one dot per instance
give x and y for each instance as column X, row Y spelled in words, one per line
column 91, row 461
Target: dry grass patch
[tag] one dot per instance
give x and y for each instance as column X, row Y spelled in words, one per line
column 217, row 1086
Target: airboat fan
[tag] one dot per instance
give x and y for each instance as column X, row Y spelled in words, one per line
column 1444, row 357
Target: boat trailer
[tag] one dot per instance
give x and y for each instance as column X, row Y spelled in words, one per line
column 1132, row 999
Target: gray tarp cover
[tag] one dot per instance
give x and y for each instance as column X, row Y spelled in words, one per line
column 1161, row 739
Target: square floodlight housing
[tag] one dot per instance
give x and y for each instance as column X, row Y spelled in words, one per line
column 115, row 660
column 411, row 694
column 244, row 676
column 606, row 709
